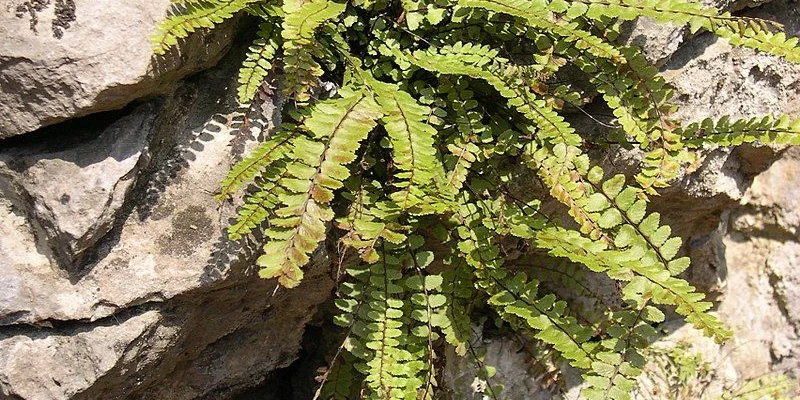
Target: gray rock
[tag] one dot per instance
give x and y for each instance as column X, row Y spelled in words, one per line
column 659, row 41
column 162, row 306
column 712, row 78
column 73, row 359
column 76, row 189
column 781, row 207
column 518, row 375
column 709, row 269
column 101, row 62
column 782, row 265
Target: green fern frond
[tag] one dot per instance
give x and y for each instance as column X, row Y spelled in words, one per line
column 412, row 141
column 299, row 26
column 196, row 15
column 740, row 31
column 767, row 130
column 258, row 63
column 274, row 148
column 319, row 166
column 386, row 328
column 258, row 205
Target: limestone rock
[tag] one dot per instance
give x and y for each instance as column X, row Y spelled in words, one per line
column 76, row 187
column 659, row 41
column 782, row 266
column 774, row 191
column 518, row 375
column 712, row 78
column 162, row 305
column 102, row 61
column 73, row 359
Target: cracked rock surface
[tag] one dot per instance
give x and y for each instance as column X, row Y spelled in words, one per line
column 101, row 61
column 116, row 280
column 76, row 187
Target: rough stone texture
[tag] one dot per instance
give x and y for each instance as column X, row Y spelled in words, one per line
column 516, row 372
column 773, row 193
column 735, row 81
column 73, row 360
column 763, row 242
column 660, row 41
column 77, row 186
column 102, row 61
column 158, row 305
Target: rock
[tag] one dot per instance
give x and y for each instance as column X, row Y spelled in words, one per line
column 518, row 376
column 782, row 266
column 709, row 269
column 659, row 41
column 160, row 305
column 782, row 206
column 712, row 78
column 73, row 359
column 76, row 189
column 102, row 61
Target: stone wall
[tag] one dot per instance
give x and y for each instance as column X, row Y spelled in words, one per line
column 116, row 280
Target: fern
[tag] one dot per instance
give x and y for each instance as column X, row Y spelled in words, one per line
column 318, row 166
column 197, row 15
column 300, row 22
column 258, row 63
column 413, row 166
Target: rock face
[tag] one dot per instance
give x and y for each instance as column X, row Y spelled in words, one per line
column 78, row 188
column 101, row 61
column 117, row 281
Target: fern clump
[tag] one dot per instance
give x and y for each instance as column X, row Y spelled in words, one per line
column 411, row 165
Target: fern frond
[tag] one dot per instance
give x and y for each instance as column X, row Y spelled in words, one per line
column 319, row 166
column 393, row 359
column 196, row 15
column 299, row 26
column 639, row 98
column 515, row 297
column 412, row 140
column 458, row 288
column 258, row 62
column 739, row 31
column 260, row 158
column 428, row 311
column 259, row 204
column 467, row 129
column 537, row 15
column 782, row 131
column 482, row 62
